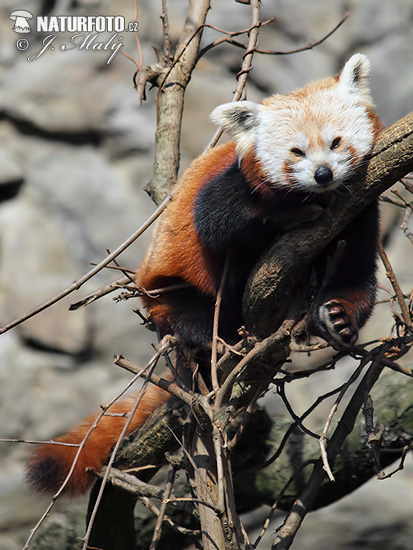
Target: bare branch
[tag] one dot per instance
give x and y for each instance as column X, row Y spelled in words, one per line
column 165, row 499
column 214, row 377
column 399, row 467
column 80, row 282
column 303, row 504
column 395, row 284
column 246, row 62
column 172, row 81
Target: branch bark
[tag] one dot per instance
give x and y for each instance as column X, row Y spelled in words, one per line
column 172, row 79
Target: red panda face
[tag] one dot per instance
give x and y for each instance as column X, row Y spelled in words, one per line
column 312, row 139
column 312, row 143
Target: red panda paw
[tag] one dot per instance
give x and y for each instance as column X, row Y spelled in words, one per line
column 340, row 324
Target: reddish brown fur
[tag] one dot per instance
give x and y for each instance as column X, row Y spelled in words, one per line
column 377, row 125
column 50, row 464
column 252, row 170
column 175, row 253
column 353, row 302
column 182, row 256
column 288, row 173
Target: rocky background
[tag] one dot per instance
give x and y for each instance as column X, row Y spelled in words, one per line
column 76, row 151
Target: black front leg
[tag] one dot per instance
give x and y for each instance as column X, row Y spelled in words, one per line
column 223, row 209
column 348, row 290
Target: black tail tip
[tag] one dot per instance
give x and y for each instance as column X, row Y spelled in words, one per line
column 45, row 475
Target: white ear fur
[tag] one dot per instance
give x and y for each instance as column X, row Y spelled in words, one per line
column 354, row 78
column 239, row 119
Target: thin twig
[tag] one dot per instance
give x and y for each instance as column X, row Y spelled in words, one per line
column 275, row 504
column 392, row 278
column 405, row 222
column 192, row 463
column 248, row 411
column 217, row 308
column 139, row 63
column 167, row 493
column 323, row 439
column 163, row 383
column 33, row 442
column 163, row 346
column 251, row 48
column 377, row 355
column 130, row 483
column 297, row 420
column 399, row 468
column 374, row 437
column 210, row 505
column 304, row 502
column 167, row 44
column 122, row 283
column 323, row 442
column 80, row 282
column 280, row 338
column 76, row 458
column 217, row 439
column 309, row 46
column 177, row 528
column 246, row 62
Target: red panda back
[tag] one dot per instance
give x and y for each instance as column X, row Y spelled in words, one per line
column 176, row 252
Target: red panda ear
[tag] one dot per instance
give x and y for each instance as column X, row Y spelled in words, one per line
column 240, row 119
column 354, row 77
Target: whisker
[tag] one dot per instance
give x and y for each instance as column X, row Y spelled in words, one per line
column 264, row 182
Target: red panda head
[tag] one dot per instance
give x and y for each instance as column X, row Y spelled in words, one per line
column 312, row 139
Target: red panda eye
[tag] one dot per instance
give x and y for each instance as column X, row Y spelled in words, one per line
column 297, row 152
column 335, row 143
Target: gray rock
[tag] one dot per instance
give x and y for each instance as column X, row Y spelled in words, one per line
column 10, row 171
column 11, row 176
column 372, row 21
column 28, row 232
column 38, row 93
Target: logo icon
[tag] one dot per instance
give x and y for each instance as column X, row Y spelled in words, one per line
column 21, row 17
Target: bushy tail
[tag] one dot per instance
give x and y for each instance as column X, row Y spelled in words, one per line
column 50, row 464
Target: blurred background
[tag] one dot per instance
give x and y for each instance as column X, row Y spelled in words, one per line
column 76, row 151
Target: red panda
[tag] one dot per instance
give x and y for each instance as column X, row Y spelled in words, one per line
column 287, row 155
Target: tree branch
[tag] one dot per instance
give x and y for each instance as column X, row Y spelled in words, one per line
column 172, row 79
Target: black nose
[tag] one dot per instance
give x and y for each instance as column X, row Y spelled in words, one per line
column 323, row 175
